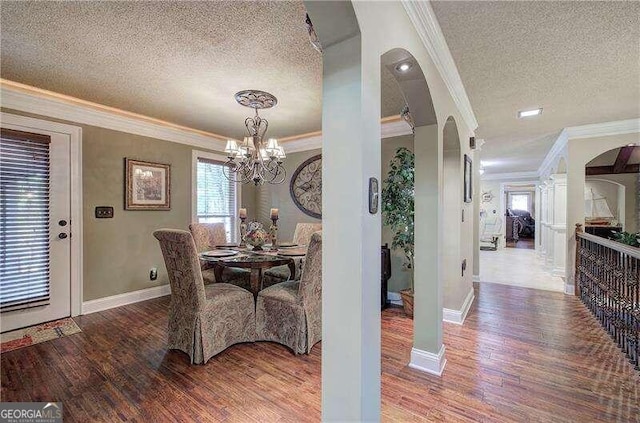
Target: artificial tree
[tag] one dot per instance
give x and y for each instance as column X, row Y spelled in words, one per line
column 397, row 210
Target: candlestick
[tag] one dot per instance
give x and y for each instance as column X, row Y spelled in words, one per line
column 274, row 230
column 243, row 231
column 242, row 213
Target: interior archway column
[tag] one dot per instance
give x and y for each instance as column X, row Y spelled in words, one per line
column 428, row 353
column 544, row 219
column 477, row 199
column 351, row 235
column 558, row 225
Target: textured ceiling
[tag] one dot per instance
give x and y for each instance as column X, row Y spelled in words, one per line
column 177, row 61
column 579, row 61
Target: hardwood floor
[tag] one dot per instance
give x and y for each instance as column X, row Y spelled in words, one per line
column 522, row 355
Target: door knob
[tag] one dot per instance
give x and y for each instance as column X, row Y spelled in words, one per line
column 62, row 235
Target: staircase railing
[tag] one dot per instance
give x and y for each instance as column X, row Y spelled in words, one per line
column 608, row 283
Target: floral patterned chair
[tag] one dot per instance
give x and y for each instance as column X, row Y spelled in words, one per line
column 206, row 237
column 203, row 321
column 301, row 236
column 290, row 312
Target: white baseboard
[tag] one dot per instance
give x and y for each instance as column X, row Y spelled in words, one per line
column 569, row 289
column 394, row 298
column 106, row 303
column 457, row 316
column 428, row 362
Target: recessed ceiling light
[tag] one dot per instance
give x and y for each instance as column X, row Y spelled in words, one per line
column 404, row 67
column 631, row 145
column 529, row 113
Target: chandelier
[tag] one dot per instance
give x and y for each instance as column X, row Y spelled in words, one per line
column 255, row 160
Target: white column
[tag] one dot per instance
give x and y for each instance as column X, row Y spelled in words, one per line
column 559, row 224
column 537, row 215
column 544, row 213
column 549, row 223
column 351, row 235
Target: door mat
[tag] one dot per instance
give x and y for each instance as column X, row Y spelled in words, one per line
column 36, row 334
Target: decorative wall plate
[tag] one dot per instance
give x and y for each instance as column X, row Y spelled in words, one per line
column 306, row 187
column 487, row 196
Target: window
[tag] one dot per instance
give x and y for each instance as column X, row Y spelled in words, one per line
column 520, row 201
column 24, row 220
column 216, row 198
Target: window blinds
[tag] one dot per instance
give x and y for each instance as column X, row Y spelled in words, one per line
column 24, row 220
column 216, row 196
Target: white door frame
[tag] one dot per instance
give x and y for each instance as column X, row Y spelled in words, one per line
column 27, row 124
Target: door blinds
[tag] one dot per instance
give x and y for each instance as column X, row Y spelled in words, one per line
column 24, row 220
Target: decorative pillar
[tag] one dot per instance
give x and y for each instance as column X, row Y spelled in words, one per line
column 559, row 224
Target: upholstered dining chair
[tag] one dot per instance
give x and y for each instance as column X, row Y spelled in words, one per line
column 290, row 312
column 206, row 237
column 203, row 321
column 301, row 236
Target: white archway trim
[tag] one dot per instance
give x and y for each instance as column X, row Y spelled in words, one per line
column 74, row 133
column 618, row 127
column 426, row 24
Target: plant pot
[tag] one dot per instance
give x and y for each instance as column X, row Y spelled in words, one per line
column 407, row 301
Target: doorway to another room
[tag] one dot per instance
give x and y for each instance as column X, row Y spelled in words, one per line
column 509, row 219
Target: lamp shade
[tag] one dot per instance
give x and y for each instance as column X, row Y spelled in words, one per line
column 232, row 147
column 280, row 153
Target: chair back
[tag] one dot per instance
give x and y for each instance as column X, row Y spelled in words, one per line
column 491, row 225
column 310, row 290
column 208, row 235
column 183, row 268
column 303, row 232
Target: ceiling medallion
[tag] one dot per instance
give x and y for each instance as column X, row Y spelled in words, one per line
column 255, row 160
column 256, row 99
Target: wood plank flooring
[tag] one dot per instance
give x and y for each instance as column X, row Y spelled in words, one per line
column 523, row 355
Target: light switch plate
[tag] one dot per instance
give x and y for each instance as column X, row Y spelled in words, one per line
column 104, row 212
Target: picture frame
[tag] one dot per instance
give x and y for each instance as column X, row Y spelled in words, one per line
column 147, row 185
column 468, row 179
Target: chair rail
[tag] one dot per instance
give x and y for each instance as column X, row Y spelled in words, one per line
column 608, row 283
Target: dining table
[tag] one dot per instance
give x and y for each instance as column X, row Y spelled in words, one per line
column 257, row 261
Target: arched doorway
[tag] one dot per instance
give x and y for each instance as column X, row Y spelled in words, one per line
column 611, row 191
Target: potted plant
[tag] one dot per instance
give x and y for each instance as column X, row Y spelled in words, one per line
column 397, row 211
column 627, row 238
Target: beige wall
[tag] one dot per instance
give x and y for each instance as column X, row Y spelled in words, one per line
column 118, row 252
column 260, row 200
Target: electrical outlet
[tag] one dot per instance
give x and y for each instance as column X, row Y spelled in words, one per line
column 153, row 273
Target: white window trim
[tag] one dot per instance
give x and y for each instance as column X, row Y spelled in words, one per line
column 194, row 185
column 39, row 126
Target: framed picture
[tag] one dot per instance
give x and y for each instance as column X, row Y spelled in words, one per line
column 468, row 179
column 147, row 185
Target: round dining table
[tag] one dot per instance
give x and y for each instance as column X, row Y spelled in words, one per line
column 256, row 261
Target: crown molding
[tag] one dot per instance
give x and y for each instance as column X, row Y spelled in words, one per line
column 426, row 24
column 389, row 128
column 509, row 176
column 303, row 144
column 395, row 128
column 603, row 129
column 34, row 100
column 556, row 149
